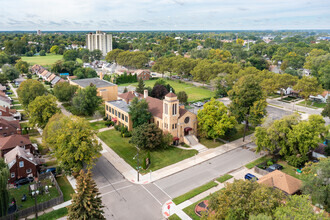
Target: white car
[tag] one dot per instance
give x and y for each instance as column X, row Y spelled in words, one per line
column 198, row 104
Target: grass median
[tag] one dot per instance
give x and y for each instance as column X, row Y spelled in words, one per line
column 224, row 178
column 194, row 192
column 56, row 214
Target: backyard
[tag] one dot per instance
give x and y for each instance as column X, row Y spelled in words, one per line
column 312, row 104
column 45, row 61
column 66, row 187
column 17, row 193
column 127, row 151
column 194, row 93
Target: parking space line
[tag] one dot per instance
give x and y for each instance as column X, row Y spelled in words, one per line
column 152, row 195
column 115, row 190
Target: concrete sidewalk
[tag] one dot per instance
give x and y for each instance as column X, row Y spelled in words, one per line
column 131, row 174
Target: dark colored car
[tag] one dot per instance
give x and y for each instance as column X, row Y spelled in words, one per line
column 9, row 93
column 274, row 167
column 250, row 176
column 23, row 181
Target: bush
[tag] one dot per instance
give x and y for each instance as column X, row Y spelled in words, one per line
column 327, row 151
column 269, row 163
column 117, row 127
column 105, row 118
column 109, row 123
column 296, row 161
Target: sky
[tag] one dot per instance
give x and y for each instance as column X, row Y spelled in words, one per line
column 107, row 15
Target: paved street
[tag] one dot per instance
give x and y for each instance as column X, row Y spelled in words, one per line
column 125, row 200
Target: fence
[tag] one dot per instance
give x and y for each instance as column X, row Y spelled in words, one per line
column 260, row 171
column 40, row 206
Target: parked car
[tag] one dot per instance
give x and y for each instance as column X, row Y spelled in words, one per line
column 23, row 181
column 9, row 93
column 250, row 176
column 274, row 167
column 198, row 104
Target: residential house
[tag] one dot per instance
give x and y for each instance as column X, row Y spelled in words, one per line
column 9, row 127
column 21, row 163
column 9, row 114
column 10, row 142
column 57, row 79
column 107, row 90
column 321, row 97
column 167, row 114
column 51, row 77
column 3, row 88
column 282, row 181
column 5, row 101
column 143, row 74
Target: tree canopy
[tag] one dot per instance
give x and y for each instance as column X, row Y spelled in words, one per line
column 86, row 101
column 64, row 91
column 10, row 72
column 29, row 90
column 72, row 141
column 139, row 112
column 4, row 193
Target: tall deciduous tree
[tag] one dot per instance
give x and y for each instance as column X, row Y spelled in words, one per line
column 70, row 55
column 10, row 71
column 326, row 110
column 41, row 110
column 139, row 112
column 159, row 91
column 4, row 194
column 183, row 97
column 64, row 91
column 112, row 55
column 72, row 141
column 243, row 198
column 213, row 120
column 86, row 203
column 86, row 101
column 22, row 66
column 29, row 90
column 148, row 136
column 308, row 85
column 54, row 49
column 296, row 207
column 245, row 95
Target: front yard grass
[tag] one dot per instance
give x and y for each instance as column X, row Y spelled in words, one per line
column 209, row 143
column 17, row 107
column 97, row 125
column 56, row 214
column 174, row 217
column 15, row 102
column 257, row 161
column 127, row 151
column 190, row 210
column 290, row 170
column 66, row 187
column 239, row 134
column 194, row 192
column 224, row 178
column 312, row 104
column 194, row 93
column 17, row 193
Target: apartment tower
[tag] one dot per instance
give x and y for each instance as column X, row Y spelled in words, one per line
column 100, row 40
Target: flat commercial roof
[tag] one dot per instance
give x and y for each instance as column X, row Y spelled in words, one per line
column 99, row 83
column 121, row 104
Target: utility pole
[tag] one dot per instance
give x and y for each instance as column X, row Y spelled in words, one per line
column 138, row 165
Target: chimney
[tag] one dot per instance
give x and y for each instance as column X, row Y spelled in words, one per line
column 101, row 75
column 145, row 93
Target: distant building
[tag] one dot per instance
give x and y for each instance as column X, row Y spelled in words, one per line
column 107, row 90
column 143, row 74
column 38, row 32
column 100, row 40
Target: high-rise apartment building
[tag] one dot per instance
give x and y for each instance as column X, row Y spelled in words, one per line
column 38, row 32
column 100, row 40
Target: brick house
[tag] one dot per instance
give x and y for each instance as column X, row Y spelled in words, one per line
column 21, row 163
column 12, row 141
column 7, row 113
column 9, row 127
column 143, row 74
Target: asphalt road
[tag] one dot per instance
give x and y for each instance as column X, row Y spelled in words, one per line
column 125, row 200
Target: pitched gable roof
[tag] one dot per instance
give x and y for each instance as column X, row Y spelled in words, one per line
column 5, row 123
column 10, row 157
column 155, row 106
column 282, row 181
column 127, row 96
column 13, row 141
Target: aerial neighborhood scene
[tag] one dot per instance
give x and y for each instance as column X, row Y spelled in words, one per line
column 174, row 109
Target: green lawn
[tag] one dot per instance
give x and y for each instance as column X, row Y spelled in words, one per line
column 17, row 107
column 19, row 192
column 51, row 163
column 312, row 104
column 98, row 125
column 209, row 143
column 274, row 95
column 127, row 151
column 45, row 61
column 66, row 187
column 190, row 210
column 239, row 133
column 194, row 192
column 15, row 102
column 56, row 214
column 194, row 93
column 224, row 178
column 174, row 217
column 257, row 161
column 289, row 99
column 290, row 170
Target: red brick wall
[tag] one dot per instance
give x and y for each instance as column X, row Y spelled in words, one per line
column 21, row 171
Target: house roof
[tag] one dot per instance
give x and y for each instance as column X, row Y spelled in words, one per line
column 99, row 83
column 10, row 157
column 325, row 93
column 5, row 109
column 44, row 73
column 182, row 111
column 129, row 95
column 282, row 181
column 5, row 99
column 121, row 104
column 13, row 141
column 51, row 77
column 138, row 72
column 56, row 80
column 155, row 106
column 170, row 94
column 5, row 123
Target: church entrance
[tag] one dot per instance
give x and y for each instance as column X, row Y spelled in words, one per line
column 187, row 131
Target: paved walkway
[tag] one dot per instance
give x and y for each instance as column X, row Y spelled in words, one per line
column 131, row 174
column 64, row 111
column 178, row 209
column 13, row 89
column 95, row 120
column 106, row 129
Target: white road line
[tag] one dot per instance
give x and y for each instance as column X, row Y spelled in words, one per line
column 112, row 184
column 152, row 195
column 163, row 191
column 116, row 190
